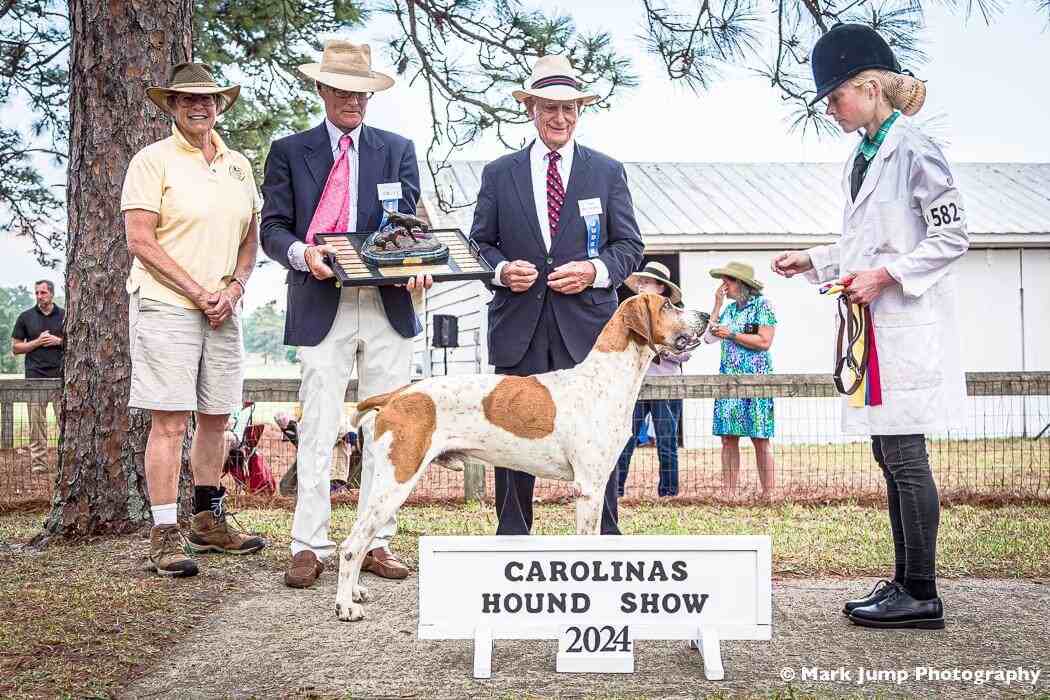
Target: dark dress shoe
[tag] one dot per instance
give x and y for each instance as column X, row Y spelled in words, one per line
column 900, row 610
column 880, row 591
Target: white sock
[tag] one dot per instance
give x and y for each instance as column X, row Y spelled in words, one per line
column 165, row 514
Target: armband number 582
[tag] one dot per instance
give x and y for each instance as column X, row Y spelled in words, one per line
column 944, row 214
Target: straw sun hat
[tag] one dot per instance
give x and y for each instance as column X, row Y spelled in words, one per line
column 738, row 271
column 347, row 66
column 192, row 79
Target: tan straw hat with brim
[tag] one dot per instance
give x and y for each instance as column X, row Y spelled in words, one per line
column 660, row 273
column 346, row 66
column 192, row 79
column 554, row 78
column 738, row 271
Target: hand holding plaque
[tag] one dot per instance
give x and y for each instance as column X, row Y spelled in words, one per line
column 407, row 250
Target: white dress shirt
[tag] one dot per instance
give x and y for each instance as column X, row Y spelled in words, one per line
column 297, row 251
column 539, row 157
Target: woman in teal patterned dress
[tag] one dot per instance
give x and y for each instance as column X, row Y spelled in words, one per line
column 745, row 328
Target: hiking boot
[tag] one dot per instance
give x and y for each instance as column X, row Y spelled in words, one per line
column 166, row 556
column 212, row 533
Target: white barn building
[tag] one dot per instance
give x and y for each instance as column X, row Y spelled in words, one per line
column 696, row 216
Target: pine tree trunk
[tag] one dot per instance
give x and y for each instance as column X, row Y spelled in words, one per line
column 118, row 48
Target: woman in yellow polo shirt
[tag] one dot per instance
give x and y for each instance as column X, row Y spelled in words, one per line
column 190, row 210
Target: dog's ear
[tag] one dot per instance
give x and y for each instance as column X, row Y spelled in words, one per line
column 638, row 316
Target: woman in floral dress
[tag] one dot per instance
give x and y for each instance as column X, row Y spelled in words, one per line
column 745, row 326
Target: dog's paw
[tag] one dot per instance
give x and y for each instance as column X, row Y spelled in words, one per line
column 349, row 612
column 361, row 594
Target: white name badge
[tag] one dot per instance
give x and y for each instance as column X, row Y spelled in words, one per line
column 389, row 190
column 590, row 207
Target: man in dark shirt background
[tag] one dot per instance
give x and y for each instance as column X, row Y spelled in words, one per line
column 39, row 335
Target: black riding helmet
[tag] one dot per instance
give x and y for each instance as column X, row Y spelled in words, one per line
column 848, row 49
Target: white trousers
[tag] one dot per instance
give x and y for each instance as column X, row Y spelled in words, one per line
column 361, row 335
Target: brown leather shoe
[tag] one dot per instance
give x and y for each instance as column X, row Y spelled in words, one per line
column 303, row 570
column 382, row 563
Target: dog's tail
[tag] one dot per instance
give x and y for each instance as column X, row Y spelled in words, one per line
column 374, row 403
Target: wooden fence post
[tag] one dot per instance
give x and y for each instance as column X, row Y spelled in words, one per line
column 473, row 482
column 7, row 424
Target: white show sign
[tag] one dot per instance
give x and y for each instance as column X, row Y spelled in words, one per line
column 700, row 588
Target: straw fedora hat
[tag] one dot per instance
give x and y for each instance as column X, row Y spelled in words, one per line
column 192, row 79
column 738, row 271
column 347, row 66
column 660, row 273
column 554, row 78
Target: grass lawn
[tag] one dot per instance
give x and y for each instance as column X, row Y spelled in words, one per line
column 83, row 618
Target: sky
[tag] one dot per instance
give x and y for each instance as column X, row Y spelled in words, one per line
column 986, row 85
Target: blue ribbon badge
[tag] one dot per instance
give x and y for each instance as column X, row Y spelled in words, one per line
column 389, row 195
column 591, row 211
column 594, row 234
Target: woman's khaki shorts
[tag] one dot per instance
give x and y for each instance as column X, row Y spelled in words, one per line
column 178, row 363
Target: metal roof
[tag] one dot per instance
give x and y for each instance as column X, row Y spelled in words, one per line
column 755, row 205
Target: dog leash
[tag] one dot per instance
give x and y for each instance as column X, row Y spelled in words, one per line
column 855, row 351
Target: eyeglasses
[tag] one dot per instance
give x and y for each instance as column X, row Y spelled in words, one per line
column 347, row 95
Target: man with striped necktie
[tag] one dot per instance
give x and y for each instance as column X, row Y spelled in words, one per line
column 556, row 222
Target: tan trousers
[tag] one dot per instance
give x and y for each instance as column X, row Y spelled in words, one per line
column 38, row 431
column 361, row 335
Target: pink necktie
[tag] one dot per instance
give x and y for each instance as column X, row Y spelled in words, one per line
column 555, row 192
column 333, row 211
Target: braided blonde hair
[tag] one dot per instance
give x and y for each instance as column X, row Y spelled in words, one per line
column 903, row 92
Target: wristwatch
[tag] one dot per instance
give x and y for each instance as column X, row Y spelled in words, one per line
column 230, row 279
column 732, row 335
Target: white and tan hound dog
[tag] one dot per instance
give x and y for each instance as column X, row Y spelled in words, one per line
column 569, row 425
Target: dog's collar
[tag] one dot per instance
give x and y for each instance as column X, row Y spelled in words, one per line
column 656, row 358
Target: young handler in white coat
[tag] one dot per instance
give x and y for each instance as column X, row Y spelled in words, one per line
column 904, row 225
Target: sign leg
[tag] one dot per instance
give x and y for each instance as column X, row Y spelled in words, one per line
column 482, row 652
column 711, row 648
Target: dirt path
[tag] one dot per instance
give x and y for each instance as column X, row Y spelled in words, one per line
column 275, row 642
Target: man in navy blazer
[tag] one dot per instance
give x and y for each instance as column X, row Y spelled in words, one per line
column 354, row 167
column 557, row 223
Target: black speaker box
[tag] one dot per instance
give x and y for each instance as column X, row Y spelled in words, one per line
column 446, row 331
